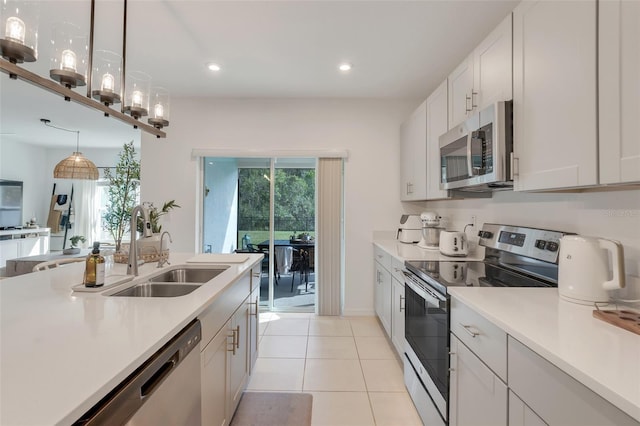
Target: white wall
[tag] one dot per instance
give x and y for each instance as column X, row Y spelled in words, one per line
column 220, row 221
column 25, row 162
column 368, row 129
column 609, row 214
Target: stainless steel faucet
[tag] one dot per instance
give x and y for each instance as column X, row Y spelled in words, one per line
column 132, row 269
column 162, row 260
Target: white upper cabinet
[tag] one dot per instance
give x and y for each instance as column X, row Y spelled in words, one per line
column 619, row 91
column 484, row 77
column 460, row 92
column 492, row 66
column 413, row 156
column 436, row 125
column 554, row 94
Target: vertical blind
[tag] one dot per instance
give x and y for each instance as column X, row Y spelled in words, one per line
column 329, row 234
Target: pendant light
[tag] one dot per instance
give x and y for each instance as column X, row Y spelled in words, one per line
column 19, row 31
column 76, row 166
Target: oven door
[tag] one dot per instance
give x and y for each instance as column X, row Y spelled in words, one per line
column 427, row 336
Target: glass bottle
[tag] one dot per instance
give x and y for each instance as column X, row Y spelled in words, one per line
column 94, row 271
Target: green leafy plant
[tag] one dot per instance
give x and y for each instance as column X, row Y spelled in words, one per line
column 155, row 214
column 122, row 194
column 77, row 239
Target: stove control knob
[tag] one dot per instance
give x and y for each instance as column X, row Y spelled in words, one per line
column 552, row 246
column 540, row 244
column 485, row 234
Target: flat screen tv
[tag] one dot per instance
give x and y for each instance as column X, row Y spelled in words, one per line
column 10, row 204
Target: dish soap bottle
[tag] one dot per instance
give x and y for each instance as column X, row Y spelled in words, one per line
column 94, row 267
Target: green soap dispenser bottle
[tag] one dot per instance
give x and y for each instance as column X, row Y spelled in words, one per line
column 94, row 267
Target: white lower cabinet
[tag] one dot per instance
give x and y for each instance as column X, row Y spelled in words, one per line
column 215, row 377
column 228, row 356
column 254, row 325
column 397, row 315
column 497, row 380
column 382, row 290
column 520, row 414
column 556, row 397
column 476, row 395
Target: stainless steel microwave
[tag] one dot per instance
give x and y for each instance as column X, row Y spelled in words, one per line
column 477, row 155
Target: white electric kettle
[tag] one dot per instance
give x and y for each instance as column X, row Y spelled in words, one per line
column 583, row 269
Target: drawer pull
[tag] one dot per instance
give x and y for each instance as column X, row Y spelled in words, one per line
column 401, row 307
column 467, row 328
column 257, row 274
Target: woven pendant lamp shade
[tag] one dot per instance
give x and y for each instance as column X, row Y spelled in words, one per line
column 76, row 167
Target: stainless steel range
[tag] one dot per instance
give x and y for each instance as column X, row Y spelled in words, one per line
column 514, row 257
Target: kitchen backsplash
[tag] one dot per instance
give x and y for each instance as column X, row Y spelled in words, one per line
column 611, row 214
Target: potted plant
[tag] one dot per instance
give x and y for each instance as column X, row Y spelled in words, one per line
column 149, row 248
column 124, row 182
column 155, row 214
column 74, row 249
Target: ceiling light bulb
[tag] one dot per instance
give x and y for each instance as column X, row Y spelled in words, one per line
column 158, row 111
column 15, row 29
column 108, row 83
column 214, row 67
column 345, row 67
column 136, row 98
column 68, row 60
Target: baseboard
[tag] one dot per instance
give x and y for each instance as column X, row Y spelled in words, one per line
column 358, row 313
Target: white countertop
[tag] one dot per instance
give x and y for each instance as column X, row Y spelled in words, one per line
column 601, row 356
column 404, row 251
column 61, row 352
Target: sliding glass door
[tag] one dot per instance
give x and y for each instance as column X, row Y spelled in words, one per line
column 266, row 205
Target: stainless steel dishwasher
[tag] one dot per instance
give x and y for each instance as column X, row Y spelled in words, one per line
column 165, row 390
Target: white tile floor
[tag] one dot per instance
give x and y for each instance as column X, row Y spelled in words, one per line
column 346, row 363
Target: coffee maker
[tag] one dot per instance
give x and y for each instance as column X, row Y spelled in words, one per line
column 430, row 230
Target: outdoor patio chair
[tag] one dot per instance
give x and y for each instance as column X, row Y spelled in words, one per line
column 265, row 262
column 300, row 265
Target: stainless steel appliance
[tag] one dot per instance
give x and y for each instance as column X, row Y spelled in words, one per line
column 514, row 257
column 430, row 230
column 410, row 230
column 477, row 155
column 165, row 390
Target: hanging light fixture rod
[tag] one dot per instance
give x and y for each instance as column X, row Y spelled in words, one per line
column 50, row 85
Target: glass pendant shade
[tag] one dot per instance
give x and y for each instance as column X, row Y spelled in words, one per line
column 106, row 77
column 70, row 55
column 136, row 101
column 76, row 166
column 19, row 31
column 159, row 113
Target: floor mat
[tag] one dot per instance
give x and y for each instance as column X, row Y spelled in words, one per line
column 273, row 409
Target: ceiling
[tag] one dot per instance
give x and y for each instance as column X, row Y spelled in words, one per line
column 266, row 49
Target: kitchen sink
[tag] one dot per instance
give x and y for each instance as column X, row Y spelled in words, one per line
column 188, row 275
column 149, row 289
column 173, row 282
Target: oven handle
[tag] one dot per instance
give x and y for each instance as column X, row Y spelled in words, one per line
column 427, row 294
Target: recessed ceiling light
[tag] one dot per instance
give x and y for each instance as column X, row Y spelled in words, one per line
column 213, row 67
column 345, row 67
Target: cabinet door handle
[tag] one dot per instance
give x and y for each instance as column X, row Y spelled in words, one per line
column 401, row 304
column 237, row 333
column 473, row 103
column 233, row 342
column 467, row 328
column 256, row 274
column 515, row 166
column 466, row 103
column 255, row 314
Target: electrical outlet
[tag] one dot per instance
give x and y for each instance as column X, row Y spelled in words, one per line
column 473, row 221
